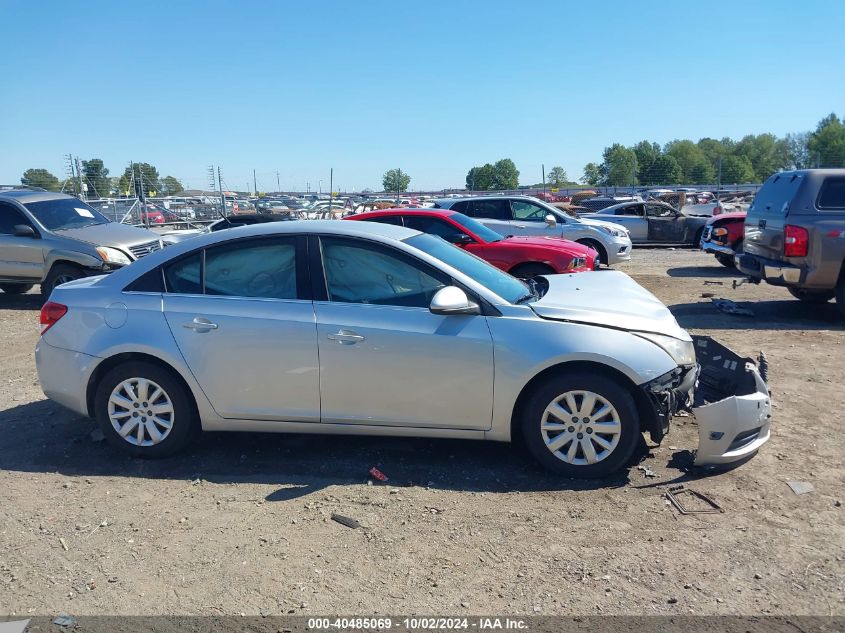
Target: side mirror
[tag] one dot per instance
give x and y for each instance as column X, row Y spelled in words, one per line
column 460, row 238
column 24, row 230
column 452, row 300
column 551, row 220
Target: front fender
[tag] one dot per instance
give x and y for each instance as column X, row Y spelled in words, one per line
column 525, row 347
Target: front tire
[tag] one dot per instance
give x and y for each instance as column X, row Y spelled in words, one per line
column 602, row 253
column 15, row 289
column 582, row 425
column 812, row 296
column 59, row 274
column 145, row 410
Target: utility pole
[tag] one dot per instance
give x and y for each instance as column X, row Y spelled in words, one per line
column 398, row 182
column 543, row 167
column 79, row 178
column 254, row 185
column 719, row 180
column 278, row 186
column 331, row 190
column 222, row 197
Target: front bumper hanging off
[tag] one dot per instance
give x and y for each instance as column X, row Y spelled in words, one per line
column 731, row 404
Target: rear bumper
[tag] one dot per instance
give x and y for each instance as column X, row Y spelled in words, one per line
column 64, row 375
column 732, row 405
column 772, row 271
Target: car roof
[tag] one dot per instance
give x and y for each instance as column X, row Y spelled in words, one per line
column 28, row 195
column 400, row 211
column 503, row 197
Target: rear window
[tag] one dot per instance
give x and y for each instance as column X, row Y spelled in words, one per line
column 832, row 195
column 776, row 194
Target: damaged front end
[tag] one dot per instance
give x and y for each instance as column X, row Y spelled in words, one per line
column 732, row 405
column 726, row 393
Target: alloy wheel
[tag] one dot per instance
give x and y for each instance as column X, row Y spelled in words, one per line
column 141, row 412
column 581, row 427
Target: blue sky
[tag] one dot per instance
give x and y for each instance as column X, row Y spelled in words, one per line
column 432, row 87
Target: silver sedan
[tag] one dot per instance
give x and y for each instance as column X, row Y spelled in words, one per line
column 362, row 328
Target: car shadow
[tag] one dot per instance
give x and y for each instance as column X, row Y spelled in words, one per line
column 43, row 437
column 29, row 301
column 704, row 271
column 768, row 315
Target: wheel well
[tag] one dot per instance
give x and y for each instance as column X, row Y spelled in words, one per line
column 596, row 246
column 645, row 410
column 118, row 359
column 63, row 262
column 534, row 264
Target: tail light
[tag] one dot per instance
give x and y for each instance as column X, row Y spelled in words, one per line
column 50, row 314
column 796, row 241
column 718, row 210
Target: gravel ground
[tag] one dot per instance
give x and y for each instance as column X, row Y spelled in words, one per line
column 241, row 524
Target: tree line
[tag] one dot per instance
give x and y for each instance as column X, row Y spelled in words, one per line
column 137, row 180
column 752, row 159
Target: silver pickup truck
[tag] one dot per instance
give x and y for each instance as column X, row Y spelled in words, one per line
column 795, row 235
column 51, row 238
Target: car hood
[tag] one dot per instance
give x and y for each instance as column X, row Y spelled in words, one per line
column 607, row 298
column 594, row 222
column 110, row 234
column 548, row 241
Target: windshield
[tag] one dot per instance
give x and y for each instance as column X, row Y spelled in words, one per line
column 488, row 235
column 65, row 213
column 509, row 288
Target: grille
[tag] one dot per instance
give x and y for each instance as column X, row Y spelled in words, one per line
column 139, row 250
column 708, row 232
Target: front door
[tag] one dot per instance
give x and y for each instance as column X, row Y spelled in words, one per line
column 247, row 334
column 530, row 219
column 632, row 217
column 665, row 226
column 385, row 359
column 20, row 257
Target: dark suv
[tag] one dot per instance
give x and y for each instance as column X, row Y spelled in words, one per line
column 795, row 234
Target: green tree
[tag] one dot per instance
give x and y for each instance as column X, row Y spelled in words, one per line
column 827, row 144
column 689, row 157
column 171, row 186
column 797, row 151
column 619, row 166
column 646, row 154
column 702, row 173
column 737, row 170
column 41, row 178
column 665, row 170
column 395, row 180
column 557, row 177
column 505, row 175
column 764, row 153
column 96, row 176
column 592, row 175
column 142, row 177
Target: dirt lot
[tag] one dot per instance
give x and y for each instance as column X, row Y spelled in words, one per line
column 241, row 523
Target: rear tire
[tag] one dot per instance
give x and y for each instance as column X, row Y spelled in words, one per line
column 569, row 436
column 812, row 296
column 145, row 410
column 529, row 271
column 60, row 274
column 602, row 257
column 840, row 293
column 698, row 234
column 16, row 289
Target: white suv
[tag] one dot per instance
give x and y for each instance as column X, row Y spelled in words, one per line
column 524, row 215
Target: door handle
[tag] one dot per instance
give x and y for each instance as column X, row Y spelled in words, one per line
column 520, row 226
column 199, row 324
column 346, row 337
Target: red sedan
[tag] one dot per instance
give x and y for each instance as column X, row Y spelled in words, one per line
column 520, row 256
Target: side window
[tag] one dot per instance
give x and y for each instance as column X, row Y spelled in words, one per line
column 460, row 207
column 362, row 272
column 435, row 226
column 261, row 268
column 635, row 210
column 184, row 276
column 832, row 194
column 387, row 219
column 658, row 211
column 491, row 209
column 526, row 211
column 9, row 217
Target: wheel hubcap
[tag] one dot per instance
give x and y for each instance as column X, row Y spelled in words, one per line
column 581, row 428
column 141, row 412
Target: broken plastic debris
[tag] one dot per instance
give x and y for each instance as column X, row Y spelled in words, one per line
column 647, row 472
column 350, row 523
column 800, row 487
column 729, row 307
column 64, row 620
column 377, row 474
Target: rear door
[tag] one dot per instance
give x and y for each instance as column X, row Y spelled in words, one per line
column 493, row 213
column 767, row 215
column 20, row 257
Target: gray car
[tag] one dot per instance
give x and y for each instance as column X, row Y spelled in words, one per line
column 363, row 328
column 50, row 238
column 654, row 222
column 524, row 215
